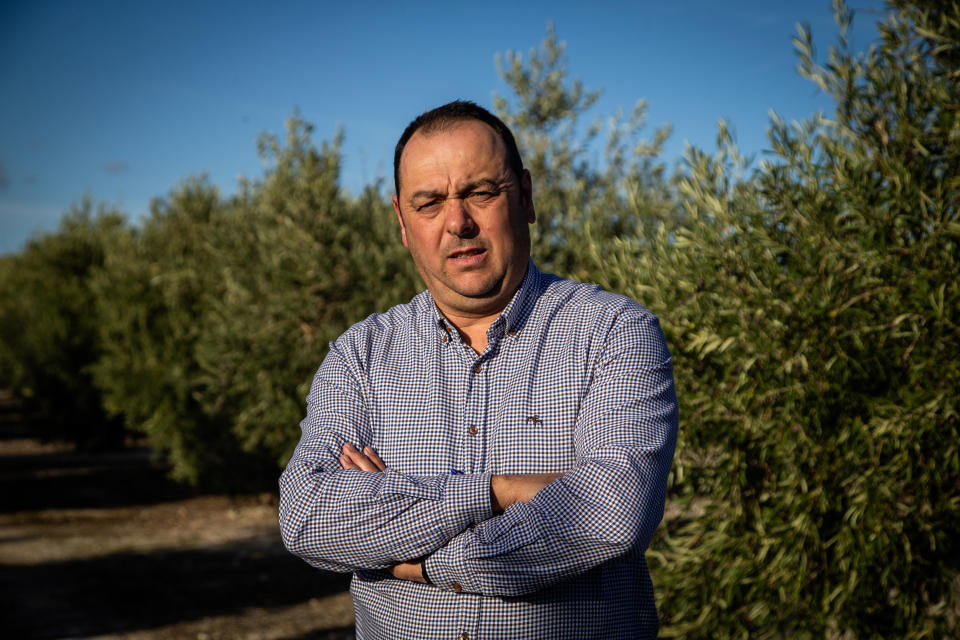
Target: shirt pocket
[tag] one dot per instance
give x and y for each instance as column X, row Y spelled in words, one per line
column 534, row 436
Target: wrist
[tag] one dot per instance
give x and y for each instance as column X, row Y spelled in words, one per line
column 506, row 490
column 410, row 570
column 498, row 490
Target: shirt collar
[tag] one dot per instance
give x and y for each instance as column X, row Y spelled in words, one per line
column 512, row 318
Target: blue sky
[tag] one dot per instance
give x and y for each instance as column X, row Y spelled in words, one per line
column 122, row 100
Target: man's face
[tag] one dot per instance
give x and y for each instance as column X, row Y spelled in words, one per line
column 463, row 216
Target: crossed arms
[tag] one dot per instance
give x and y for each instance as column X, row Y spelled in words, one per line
column 505, row 490
column 344, row 510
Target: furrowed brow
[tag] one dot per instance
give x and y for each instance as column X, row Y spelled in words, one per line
column 483, row 183
column 427, row 194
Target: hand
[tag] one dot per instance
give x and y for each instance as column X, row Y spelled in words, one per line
column 366, row 460
column 408, row 571
column 507, row 490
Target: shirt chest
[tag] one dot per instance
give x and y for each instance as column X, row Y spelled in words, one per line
column 441, row 408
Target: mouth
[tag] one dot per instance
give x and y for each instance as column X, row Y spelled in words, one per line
column 466, row 253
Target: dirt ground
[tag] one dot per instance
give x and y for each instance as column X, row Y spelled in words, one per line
column 103, row 546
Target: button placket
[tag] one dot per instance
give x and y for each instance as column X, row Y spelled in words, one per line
column 472, row 412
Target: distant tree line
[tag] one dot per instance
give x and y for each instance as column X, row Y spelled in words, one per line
column 811, row 302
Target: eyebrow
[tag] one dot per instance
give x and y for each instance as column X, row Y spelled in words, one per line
column 418, row 195
column 467, row 188
column 489, row 183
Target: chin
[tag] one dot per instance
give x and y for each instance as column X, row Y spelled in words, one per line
column 483, row 290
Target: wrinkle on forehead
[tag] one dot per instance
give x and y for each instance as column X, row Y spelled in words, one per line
column 441, row 167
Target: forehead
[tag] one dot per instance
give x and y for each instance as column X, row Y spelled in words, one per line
column 464, row 150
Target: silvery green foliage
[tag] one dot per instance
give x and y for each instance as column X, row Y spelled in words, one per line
column 583, row 188
column 300, row 262
column 813, row 309
column 152, row 296
column 48, row 331
column 217, row 313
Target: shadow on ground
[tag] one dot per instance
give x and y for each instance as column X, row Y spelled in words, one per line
column 60, row 480
column 50, row 477
column 127, row 592
column 131, row 591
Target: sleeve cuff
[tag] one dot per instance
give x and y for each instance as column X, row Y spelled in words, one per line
column 447, row 573
column 466, row 501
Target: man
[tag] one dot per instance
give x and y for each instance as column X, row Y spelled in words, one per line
column 490, row 459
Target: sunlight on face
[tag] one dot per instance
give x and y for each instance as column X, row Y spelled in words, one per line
column 464, row 217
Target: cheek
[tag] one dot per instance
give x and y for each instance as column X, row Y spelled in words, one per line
column 422, row 246
column 428, row 236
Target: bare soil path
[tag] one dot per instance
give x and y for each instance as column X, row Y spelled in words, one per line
column 103, row 546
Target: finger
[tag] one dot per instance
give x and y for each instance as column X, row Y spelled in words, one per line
column 346, row 463
column 359, row 460
column 371, row 453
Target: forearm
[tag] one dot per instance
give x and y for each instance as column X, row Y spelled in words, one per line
column 346, row 519
column 506, row 490
column 601, row 511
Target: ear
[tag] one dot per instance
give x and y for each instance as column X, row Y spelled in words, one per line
column 526, row 196
column 403, row 229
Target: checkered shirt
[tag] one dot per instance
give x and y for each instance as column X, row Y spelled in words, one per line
column 574, row 379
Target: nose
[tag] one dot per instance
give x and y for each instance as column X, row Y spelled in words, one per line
column 459, row 221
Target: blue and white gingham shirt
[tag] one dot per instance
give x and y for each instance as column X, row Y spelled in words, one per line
column 574, row 379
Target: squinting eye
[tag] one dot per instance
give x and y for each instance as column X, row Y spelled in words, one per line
column 482, row 196
column 427, row 207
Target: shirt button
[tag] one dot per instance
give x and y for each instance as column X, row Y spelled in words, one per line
column 511, row 333
column 477, row 368
column 472, row 429
column 463, row 636
column 445, row 338
column 456, row 586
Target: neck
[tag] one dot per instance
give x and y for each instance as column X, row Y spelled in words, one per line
column 473, row 323
column 473, row 329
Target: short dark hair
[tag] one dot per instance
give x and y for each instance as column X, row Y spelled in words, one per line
column 443, row 116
